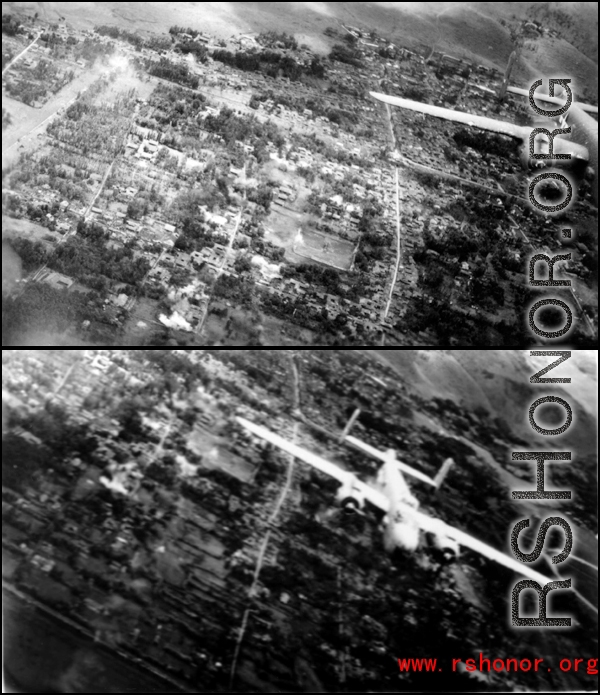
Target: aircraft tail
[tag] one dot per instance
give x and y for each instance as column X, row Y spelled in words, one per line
column 349, row 424
column 443, row 472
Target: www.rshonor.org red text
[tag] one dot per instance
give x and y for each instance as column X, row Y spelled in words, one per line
column 485, row 665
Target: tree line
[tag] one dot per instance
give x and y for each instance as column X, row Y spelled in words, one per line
column 11, row 25
column 271, row 63
column 172, row 72
column 274, row 39
column 346, row 54
column 196, row 48
column 176, row 30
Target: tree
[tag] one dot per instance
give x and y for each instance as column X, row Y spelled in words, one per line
column 317, row 69
column 196, row 48
column 164, row 472
column 33, row 254
column 271, row 39
column 345, row 54
column 434, row 276
column 243, row 264
column 137, row 208
column 129, row 418
column 10, row 25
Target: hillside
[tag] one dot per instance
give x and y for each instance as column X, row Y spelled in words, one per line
column 471, row 29
column 499, row 382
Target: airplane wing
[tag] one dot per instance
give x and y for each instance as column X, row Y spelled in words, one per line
column 428, row 523
column 367, row 448
column 385, row 457
column 376, row 498
column 515, row 131
column 372, row 495
column 552, row 100
column 313, row 460
column 561, row 146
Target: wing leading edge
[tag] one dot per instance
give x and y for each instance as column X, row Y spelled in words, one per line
column 314, row 460
column 376, row 498
column 387, row 456
column 552, row 100
column 521, row 133
column 515, row 131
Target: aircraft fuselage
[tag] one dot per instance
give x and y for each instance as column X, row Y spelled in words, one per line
column 401, row 532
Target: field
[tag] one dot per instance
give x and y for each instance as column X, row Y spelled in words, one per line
column 553, row 56
column 25, row 229
column 275, row 332
column 74, row 663
column 282, row 230
column 324, row 249
column 142, row 323
column 234, row 99
column 468, row 33
column 236, row 327
column 282, row 225
column 286, row 334
column 208, row 446
column 38, row 339
column 127, row 79
column 27, row 122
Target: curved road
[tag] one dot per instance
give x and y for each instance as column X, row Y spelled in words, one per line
column 21, row 54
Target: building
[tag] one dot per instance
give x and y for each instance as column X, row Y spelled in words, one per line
column 57, row 280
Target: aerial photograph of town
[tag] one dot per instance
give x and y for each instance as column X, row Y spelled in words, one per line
column 246, row 174
column 299, row 520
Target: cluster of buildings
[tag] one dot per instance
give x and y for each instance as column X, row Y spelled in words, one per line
column 348, row 183
column 78, row 566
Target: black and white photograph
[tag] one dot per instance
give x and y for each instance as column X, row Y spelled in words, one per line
column 299, row 174
column 299, row 520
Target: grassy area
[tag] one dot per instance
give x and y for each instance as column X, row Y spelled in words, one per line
column 556, row 55
column 68, row 662
column 325, row 249
column 467, row 32
column 25, row 229
column 141, row 324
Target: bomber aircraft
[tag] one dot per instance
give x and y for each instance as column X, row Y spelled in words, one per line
column 403, row 523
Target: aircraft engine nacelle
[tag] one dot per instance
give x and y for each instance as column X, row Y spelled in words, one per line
column 528, row 162
column 350, row 498
column 444, row 549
